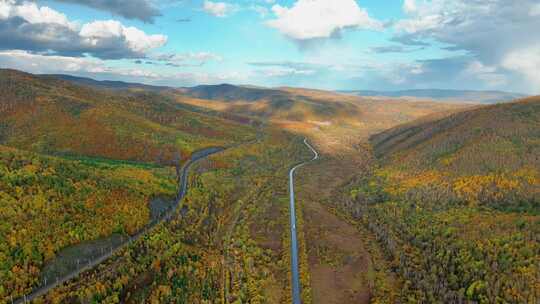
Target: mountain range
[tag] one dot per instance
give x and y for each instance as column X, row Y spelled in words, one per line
column 467, row 96
column 229, row 92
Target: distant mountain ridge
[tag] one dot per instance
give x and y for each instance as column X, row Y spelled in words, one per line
column 87, row 120
column 223, row 92
column 105, row 84
column 229, row 92
column 484, row 97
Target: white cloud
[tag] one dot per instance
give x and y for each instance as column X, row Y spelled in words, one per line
column 42, row 64
column 535, row 10
column 420, row 24
column 218, row 9
column 496, row 35
column 102, row 29
column 488, row 29
column 34, row 63
column 137, row 40
column 144, row 10
column 409, row 6
column 95, row 68
column 488, row 74
column 527, row 62
column 27, row 26
column 34, row 14
column 313, row 19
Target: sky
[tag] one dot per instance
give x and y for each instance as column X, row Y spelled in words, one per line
column 324, row 44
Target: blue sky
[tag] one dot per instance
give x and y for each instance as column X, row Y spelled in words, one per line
column 328, row 44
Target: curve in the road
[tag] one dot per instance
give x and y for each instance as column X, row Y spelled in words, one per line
column 294, row 242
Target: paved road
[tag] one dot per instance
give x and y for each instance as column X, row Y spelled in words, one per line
column 170, row 213
column 294, row 242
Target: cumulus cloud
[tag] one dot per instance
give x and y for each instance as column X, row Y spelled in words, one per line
column 142, row 10
column 409, row 6
column 26, row 26
column 34, row 14
column 320, row 19
column 218, row 9
column 35, row 63
column 134, row 39
column 490, row 32
column 489, row 74
column 457, row 72
column 488, row 29
column 527, row 62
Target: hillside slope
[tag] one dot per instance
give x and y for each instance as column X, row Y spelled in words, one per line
column 228, row 92
column 502, row 137
column 105, row 84
column 79, row 164
column 331, row 119
column 53, row 116
column 456, row 201
column 49, row 203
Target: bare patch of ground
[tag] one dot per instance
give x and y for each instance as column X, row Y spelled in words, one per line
column 337, row 259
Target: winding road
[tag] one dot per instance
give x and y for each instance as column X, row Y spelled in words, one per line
column 294, row 242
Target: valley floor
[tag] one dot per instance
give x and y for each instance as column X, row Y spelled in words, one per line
column 337, row 258
column 346, row 264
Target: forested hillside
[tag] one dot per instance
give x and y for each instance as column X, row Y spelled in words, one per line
column 80, row 165
column 456, row 203
column 491, row 154
column 228, row 244
column 452, row 198
column 49, row 203
column 52, row 116
column 334, row 120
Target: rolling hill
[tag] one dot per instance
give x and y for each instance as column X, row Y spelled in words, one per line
column 502, row 137
column 138, row 126
column 327, row 117
column 304, row 111
column 228, row 92
column 105, row 84
column 80, row 162
column 456, row 201
column 49, row 203
column 452, row 192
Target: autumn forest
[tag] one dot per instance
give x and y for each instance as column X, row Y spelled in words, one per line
column 141, row 194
